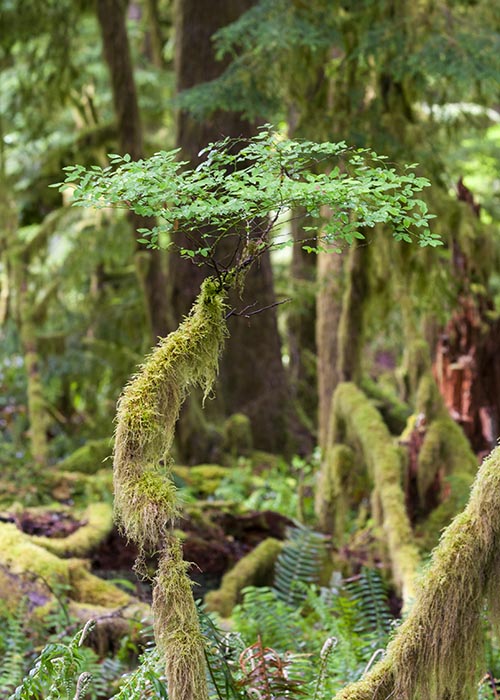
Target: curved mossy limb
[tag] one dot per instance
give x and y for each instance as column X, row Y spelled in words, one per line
column 252, row 570
column 146, row 503
column 98, row 523
column 436, row 652
column 334, row 490
column 445, row 448
column 177, row 630
column 394, row 411
column 88, row 458
column 29, row 570
column 145, row 498
column 356, row 422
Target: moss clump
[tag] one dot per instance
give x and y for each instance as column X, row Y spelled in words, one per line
column 334, row 490
column 205, row 478
column 436, row 651
column 253, row 570
column 394, row 411
column 98, row 523
column 22, row 557
column 177, row 630
column 145, row 502
column 356, row 422
column 92, row 590
column 87, row 459
column 237, row 435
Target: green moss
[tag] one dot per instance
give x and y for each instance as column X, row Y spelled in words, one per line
column 87, row 459
column 22, row 557
column 394, row 411
column 81, row 488
column 237, row 435
column 92, row 590
column 98, row 523
column 356, row 422
column 148, row 410
column 205, row 478
column 436, row 652
column 177, row 630
column 253, row 570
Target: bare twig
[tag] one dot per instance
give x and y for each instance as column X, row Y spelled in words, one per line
column 246, row 313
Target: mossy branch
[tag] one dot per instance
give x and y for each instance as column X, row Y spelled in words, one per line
column 437, row 650
column 145, row 498
column 356, row 422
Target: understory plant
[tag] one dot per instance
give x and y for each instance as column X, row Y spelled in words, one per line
column 230, row 210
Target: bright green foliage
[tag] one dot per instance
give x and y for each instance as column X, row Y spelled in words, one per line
column 268, row 176
column 299, row 564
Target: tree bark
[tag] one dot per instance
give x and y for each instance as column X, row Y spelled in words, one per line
column 253, row 380
column 111, row 15
column 328, row 310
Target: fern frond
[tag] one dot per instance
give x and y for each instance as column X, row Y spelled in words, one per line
column 299, row 565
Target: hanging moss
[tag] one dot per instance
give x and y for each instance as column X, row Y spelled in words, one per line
column 253, row 570
column 334, row 490
column 356, row 422
column 436, row 652
column 145, row 500
column 177, row 629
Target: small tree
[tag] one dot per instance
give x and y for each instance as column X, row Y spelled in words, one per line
column 232, row 208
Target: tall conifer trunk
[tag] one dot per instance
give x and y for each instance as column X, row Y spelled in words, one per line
column 112, row 21
column 253, row 380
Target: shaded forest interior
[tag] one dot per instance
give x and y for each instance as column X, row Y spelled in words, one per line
column 250, row 349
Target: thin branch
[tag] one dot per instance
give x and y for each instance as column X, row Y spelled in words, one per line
column 246, row 313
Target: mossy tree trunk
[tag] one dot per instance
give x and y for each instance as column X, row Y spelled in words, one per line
column 328, row 310
column 437, row 651
column 111, row 15
column 253, row 380
column 351, row 324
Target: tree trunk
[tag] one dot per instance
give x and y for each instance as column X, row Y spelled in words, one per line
column 351, row 325
column 328, row 310
column 253, row 380
column 112, row 21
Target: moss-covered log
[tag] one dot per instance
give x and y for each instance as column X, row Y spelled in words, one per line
column 436, row 651
column 97, row 524
column 357, row 423
column 253, row 570
column 334, row 490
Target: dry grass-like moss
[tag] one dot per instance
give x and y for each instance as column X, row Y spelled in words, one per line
column 436, row 651
column 177, row 629
column 145, row 502
column 356, row 422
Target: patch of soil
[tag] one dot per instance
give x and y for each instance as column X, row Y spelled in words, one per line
column 48, row 524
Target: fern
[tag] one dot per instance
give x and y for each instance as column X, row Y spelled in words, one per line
column 299, row 565
column 15, row 645
column 221, row 653
column 266, row 674
column 58, row 672
column 375, row 620
column 147, row 681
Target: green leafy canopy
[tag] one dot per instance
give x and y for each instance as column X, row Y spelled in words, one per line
column 260, row 182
